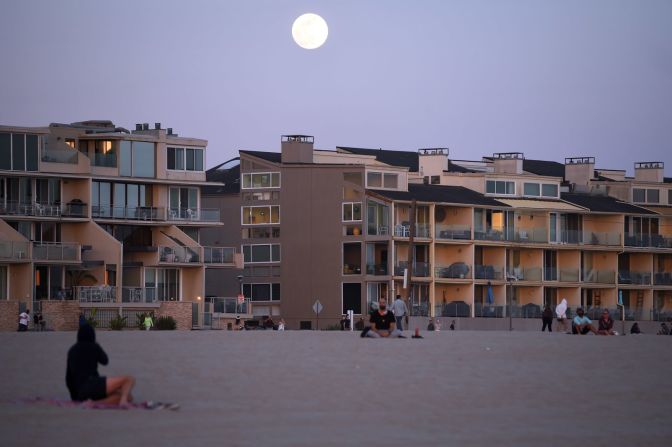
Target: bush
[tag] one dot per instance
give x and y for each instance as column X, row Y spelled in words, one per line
column 118, row 323
column 91, row 320
column 165, row 323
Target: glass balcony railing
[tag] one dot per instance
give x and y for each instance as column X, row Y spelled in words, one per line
column 601, row 238
column 529, row 235
column 177, row 254
column 229, row 306
column 452, row 232
column 96, row 294
column 457, row 270
column 14, row 250
column 376, row 269
column 648, row 240
column 662, row 279
column 569, row 275
column 140, row 295
column 488, row 272
column 148, row 213
column 634, row 277
column 551, row 274
column 599, row 276
column 194, row 214
column 420, row 269
column 104, row 160
column 219, row 255
column 56, row 251
column 69, row 156
column 404, row 230
column 525, row 274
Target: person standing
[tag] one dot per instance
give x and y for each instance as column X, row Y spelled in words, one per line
column 561, row 312
column 24, row 319
column 148, row 322
column 382, row 323
column 400, row 310
column 547, row 319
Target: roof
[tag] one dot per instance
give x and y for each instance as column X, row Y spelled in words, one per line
column 440, row 194
column 273, row 157
column 545, row 168
column 541, row 204
column 667, row 179
column 393, row 158
column 603, row 204
column 452, row 167
column 228, row 176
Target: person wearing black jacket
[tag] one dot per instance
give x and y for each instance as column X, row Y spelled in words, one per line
column 82, row 378
column 547, row 319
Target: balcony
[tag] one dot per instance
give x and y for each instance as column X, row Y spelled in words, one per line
column 551, row 274
column 96, row 294
column 599, row 276
column 529, row 235
column 30, row 209
column 488, row 272
column 219, row 255
column 69, row 156
column 649, row 241
column 602, row 238
column 569, row 275
column 144, row 213
column 662, row 279
column 194, row 214
column 376, row 269
column 75, row 208
column 456, row 270
column 453, row 232
column 404, row 230
column 56, row 251
column 420, row 269
column 179, row 255
column 14, row 250
column 570, row 237
column 138, row 295
column 229, row 306
column 104, row 160
column 489, row 235
column 634, row 277
column 525, row 274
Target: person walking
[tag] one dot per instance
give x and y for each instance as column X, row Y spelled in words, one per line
column 148, row 322
column 400, row 310
column 24, row 319
column 547, row 319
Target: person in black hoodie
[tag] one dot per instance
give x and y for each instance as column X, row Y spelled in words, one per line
column 82, row 378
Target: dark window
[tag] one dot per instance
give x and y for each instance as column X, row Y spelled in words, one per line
column 352, row 297
column 669, row 196
column 531, row 189
column 652, row 196
column 5, row 151
column 638, row 195
column 31, row 153
column 275, row 292
column 549, row 190
column 18, row 152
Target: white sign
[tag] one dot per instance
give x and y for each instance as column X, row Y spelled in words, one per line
column 317, row 307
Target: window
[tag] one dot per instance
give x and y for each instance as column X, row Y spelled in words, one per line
column 183, row 202
column 377, row 218
column 258, row 196
column 352, row 212
column 500, row 187
column 669, row 196
column 390, row 181
column 104, row 152
column 18, row 152
column 261, row 232
column 638, row 195
column 374, row 180
column 256, row 215
column 531, row 189
column 352, row 298
column 181, row 159
column 353, row 177
column 652, row 196
column 549, row 190
column 385, row 180
column 262, row 292
column 261, row 253
column 162, row 284
column 261, row 180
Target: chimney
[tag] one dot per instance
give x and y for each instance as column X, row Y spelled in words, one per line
column 170, row 130
column 650, row 171
column 145, row 126
column 432, row 161
column 157, row 126
column 297, row 148
column 579, row 170
column 508, row 162
column 138, row 126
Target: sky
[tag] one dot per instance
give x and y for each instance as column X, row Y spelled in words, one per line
column 551, row 79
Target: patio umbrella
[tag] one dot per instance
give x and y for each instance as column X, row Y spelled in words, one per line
column 490, row 297
column 620, row 297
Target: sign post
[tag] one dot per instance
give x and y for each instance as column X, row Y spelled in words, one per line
column 317, row 308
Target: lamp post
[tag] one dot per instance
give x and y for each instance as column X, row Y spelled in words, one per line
column 510, row 279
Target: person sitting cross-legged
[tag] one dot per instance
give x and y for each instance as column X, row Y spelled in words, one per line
column 582, row 324
column 606, row 324
column 383, row 323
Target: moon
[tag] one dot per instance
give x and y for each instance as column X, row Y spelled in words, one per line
column 310, row 31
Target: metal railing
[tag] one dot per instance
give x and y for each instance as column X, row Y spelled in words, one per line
column 453, row 309
column 599, row 276
column 488, row 272
column 662, row 279
column 601, row 238
column 646, row 240
column 14, row 250
column 569, row 275
column 75, row 209
column 229, row 305
column 96, row 294
column 128, row 213
column 143, row 295
column 56, row 251
column 452, row 232
column 30, row 209
column 634, row 277
column 458, row 270
column 570, row 237
column 178, row 254
column 525, row 274
column 489, row 311
column 377, row 230
column 421, row 230
column 529, row 235
column 490, row 235
column 219, row 255
column 376, row 269
column 191, row 214
column 420, row 269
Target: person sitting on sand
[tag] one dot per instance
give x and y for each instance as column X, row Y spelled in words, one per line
column 635, row 328
column 383, row 323
column 582, row 324
column 430, row 326
column 82, row 378
column 606, row 324
column 664, row 330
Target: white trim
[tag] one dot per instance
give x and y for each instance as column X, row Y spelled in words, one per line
column 251, row 174
column 352, row 209
column 270, row 214
column 270, row 253
column 184, row 159
column 497, row 193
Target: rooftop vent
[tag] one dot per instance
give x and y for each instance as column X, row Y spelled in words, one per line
column 580, row 161
column 298, row 139
column 508, row 156
column 145, row 126
column 138, row 126
column 650, row 165
column 433, row 151
column 169, row 131
column 157, row 126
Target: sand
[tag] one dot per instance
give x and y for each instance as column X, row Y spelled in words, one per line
column 334, row 388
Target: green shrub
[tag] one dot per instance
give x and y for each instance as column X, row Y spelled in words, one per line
column 165, row 323
column 118, row 323
column 91, row 319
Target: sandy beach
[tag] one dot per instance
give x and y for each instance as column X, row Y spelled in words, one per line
column 334, row 388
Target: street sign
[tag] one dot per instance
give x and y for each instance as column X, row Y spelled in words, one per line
column 317, row 307
column 241, row 298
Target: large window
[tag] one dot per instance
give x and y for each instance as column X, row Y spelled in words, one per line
column 136, row 159
column 652, row 196
column 540, row 189
column 378, row 218
column 183, row 202
column 162, row 284
column 259, row 215
column 48, row 190
column 352, row 212
column 262, row 292
column 18, row 152
column 500, row 187
column 532, row 189
column 120, row 200
column 641, row 195
column 189, row 159
column 352, row 298
column 261, row 180
column 638, row 195
column 103, row 151
column 384, row 180
column 261, row 253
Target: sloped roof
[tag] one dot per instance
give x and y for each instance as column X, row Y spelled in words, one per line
column 229, row 177
column 543, row 167
column 440, row 193
column 603, row 204
column 273, row 157
column 394, row 158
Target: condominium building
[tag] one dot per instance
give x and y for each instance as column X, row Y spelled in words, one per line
column 500, row 236
column 93, row 216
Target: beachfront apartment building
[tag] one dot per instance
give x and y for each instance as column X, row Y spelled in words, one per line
column 93, row 216
column 473, row 239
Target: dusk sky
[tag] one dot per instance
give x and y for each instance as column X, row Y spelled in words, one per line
column 552, row 79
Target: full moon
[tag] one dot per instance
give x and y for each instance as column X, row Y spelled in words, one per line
column 310, row 31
